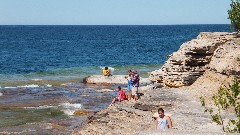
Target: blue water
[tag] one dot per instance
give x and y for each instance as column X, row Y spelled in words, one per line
column 30, row 51
column 56, row 54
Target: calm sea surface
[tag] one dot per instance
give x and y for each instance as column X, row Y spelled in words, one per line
column 64, row 52
column 35, row 62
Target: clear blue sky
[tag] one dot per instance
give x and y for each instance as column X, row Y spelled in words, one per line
column 113, row 12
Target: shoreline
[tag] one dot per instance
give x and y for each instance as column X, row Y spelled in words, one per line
column 191, row 72
column 129, row 117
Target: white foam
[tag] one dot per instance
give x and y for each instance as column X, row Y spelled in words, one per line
column 69, row 111
column 48, row 85
column 29, row 86
column 111, row 68
column 69, row 108
column 69, row 105
column 40, row 107
column 10, row 87
column 36, row 79
column 24, row 131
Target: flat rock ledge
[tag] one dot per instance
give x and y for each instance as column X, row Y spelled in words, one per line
column 115, row 79
column 130, row 118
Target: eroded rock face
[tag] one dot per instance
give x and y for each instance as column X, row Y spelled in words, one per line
column 226, row 59
column 210, row 51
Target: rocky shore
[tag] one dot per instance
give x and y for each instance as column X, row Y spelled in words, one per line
column 115, row 79
column 197, row 69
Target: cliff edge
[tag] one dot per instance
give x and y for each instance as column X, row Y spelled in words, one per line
column 217, row 52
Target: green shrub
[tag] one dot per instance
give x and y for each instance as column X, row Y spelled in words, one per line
column 225, row 99
column 234, row 14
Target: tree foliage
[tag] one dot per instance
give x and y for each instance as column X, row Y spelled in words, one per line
column 234, row 14
column 225, row 99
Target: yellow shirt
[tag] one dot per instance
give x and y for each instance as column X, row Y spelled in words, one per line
column 105, row 72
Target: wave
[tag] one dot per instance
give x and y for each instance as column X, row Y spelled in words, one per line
column 62, row 105
column 21, row 132
column 77, row 72
column 69, row 105
column 69, row 108
column 41, row 107
column 29, row 86
column 69, row 111
column 10, row 87
column 49, row 77
column 66, row 108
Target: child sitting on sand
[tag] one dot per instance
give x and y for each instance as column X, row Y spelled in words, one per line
column 121, row 96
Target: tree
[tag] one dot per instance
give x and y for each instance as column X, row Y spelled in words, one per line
column 234, row 14
column 227, row 98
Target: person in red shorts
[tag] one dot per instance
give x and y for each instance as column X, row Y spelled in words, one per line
column 121, row 96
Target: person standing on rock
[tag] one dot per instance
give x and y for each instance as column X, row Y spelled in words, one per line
column 135, row 84
column 162, row 121
column 129, row 83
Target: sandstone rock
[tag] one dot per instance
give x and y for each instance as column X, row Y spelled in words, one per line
column 229, row 56
column 193, row 58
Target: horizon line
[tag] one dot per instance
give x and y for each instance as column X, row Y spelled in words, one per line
column 104, row 24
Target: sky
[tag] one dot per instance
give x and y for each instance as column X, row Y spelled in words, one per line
column 113, row 12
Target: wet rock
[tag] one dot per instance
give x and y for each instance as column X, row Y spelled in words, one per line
column 81, row 112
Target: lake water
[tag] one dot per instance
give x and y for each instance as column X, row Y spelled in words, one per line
column 41, row 69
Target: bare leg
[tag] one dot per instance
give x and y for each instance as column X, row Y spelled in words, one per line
column 135, row 97
column 130, row 95
column 113, row 101
column 118, row 99
column 135, row 91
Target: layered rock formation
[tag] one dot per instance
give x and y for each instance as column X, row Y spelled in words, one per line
column 193, row 58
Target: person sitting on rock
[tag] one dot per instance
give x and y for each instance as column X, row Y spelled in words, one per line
column 162, row 121
column 121, row 96
column 106, row 72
